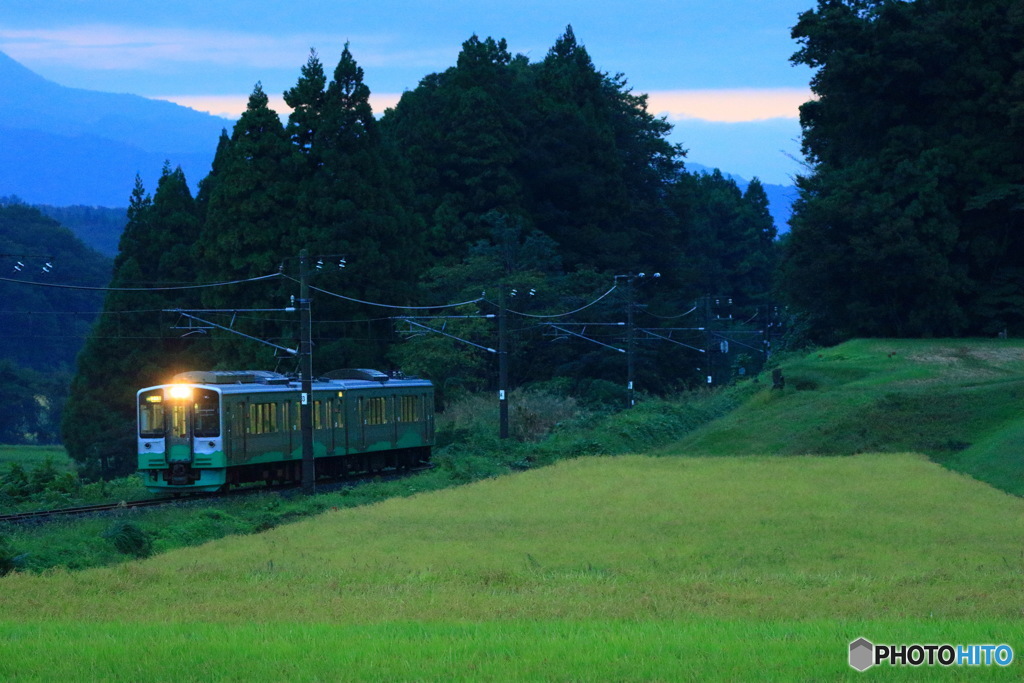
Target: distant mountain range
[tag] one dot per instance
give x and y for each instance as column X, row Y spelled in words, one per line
column 63, row 146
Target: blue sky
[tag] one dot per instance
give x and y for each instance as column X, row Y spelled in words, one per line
column 718, row 69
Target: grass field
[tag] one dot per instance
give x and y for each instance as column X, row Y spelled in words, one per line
column 629, row 568
column 961, row 402
column 31, row 456
column 763, row 565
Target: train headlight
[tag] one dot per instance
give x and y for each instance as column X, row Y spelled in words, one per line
column 181, row 391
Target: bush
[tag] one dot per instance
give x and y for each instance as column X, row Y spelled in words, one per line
column 463, row 467
column 40, row 484
column 533, row 415
column 8, row 560
column 130, row 539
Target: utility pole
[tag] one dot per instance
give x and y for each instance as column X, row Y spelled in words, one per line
column 306, row 375
column 630, row 342
column 630, row 279
column 502, row 364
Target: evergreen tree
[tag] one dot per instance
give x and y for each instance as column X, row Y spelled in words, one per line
column 728, row 237
column 912, row 221
column 249, row 223
column 207, row 184
column 570, row 150
column 251, row 226
column 461, row 133
column 132, row 346
column 600, row 165
column 307, row 102
column 354, row 208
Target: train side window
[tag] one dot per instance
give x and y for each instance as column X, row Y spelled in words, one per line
column 318, row 415
column 410, row 409
column 375, row 411
column 151, row 414
column 263, row 418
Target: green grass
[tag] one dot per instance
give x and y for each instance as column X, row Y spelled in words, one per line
column 44, row 477
column 629, row 568
column 961, row 402
column 759, row 566
column 595, row 650
column 32, row 456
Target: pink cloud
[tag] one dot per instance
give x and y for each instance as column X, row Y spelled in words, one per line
column 728, row 105
column 232, row 106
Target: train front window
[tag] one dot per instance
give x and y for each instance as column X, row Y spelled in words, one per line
column 151, row 414
column 206, row 414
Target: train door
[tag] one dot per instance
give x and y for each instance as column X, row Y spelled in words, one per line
column 337, row 424
column 428, row 417
column 361, row 422
column 179, row 430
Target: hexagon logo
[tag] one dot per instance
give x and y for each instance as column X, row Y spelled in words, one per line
column 862, row 654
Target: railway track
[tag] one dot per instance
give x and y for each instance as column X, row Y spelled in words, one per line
column 83, row 509
column 322, row 487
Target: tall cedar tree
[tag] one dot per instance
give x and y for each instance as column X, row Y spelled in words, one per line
column 132, row 345
column 251, row 225
column 352, row 207
column 598, row 166
column 912, row 221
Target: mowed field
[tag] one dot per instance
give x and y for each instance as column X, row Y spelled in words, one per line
column 627, row 568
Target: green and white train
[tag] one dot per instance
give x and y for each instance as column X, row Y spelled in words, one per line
column 208, row 431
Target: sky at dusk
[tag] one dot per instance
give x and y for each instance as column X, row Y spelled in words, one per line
column 718, row 69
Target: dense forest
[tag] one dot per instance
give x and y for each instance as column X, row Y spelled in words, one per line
column 912, row 221
column 498, row 177
column 41, row 327
column 548, row 192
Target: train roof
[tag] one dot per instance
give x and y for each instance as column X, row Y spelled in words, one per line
column 262, row 381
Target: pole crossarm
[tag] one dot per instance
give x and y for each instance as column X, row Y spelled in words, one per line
column 190, row 316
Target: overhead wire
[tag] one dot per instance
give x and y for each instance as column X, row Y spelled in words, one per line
column 381, row 305
column 558, row 315
column 671, row 317
column 139, row 289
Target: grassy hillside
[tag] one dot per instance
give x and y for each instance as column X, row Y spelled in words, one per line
column 961, row 402
column 760, row 566
column 629, row 568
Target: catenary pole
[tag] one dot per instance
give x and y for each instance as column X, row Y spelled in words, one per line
column 306, row 373
column 630, row 343
column 502, row 365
